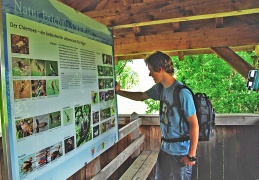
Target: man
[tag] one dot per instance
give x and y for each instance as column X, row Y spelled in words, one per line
column 175, row 159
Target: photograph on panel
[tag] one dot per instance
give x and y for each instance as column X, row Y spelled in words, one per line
column 24, row 128
column 51, row 68
column 69, row 144
column 27, row 165
column 95, row 97
column 52, row 87
column 107, row 59
column 22, row 89
column 54, row 119
column 37, row 67
column 83, row 124
column 21, row 66
column 41, row 123
column 96, row 131
column 38, row 88
column 105, row 71
column 56, row 151
column 43, row 157
column 96, row 118
column 68, row 116
column 19, row 44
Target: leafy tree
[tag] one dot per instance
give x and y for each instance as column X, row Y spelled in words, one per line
column 213, row 76
column 125, row 75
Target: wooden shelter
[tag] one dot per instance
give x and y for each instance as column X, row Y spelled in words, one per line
column 178, row 27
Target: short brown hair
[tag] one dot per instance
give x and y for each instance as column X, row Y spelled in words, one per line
column 159, row 59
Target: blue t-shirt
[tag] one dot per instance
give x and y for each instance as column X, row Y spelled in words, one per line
column 169, row 117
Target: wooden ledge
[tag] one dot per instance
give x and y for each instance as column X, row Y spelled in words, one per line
column 108, row 170
column 141, row 167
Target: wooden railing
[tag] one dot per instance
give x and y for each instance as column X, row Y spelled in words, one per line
column 233, row 152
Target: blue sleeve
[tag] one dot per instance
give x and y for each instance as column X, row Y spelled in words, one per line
column 153, row 92
column 187, row 102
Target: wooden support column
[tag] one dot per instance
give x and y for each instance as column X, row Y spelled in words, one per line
column 257, row 49
column 176, row 26
column 180, row 55
column 137, row 30
column 219, row 22
column 135, row 133
column 227, row 54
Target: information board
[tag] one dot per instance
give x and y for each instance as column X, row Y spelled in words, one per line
column 59, row 83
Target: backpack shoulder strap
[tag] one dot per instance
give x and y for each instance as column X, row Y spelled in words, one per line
column 177, row 95
column 177, row 103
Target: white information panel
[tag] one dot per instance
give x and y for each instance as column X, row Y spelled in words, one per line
column 59, row 82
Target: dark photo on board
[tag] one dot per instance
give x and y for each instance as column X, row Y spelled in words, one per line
column 38, row 88
column 69, row 144
column 19, row 44
column 83, row 124
column 51, row 68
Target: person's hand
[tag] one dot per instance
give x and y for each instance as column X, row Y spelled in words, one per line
column 117, row 86
column 187, row 161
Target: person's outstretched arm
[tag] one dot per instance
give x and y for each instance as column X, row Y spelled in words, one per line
column 137, row 96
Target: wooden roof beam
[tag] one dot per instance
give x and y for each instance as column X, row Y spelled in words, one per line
column 185, row 52
column 240, row 65
column 199, row 39
column 159, row 12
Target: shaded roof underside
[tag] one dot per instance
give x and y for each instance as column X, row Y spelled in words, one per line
column 178, row 27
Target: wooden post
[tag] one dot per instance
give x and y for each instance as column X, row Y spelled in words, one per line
column 134, row 133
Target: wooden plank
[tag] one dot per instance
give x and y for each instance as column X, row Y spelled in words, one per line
column 152, row 121
column 217, row 146
column 230, row 160
column 122, row 145
column 197, row 39
column 135, row 133
column 247, row 152
column 203, row 160
column 155, row 138
column 92, row 168
column 237, row 119
column 112, row 153
column 158, row 12
column 124, row 131
column 135, row 166
column 221, row 119
column 145, row 130
column 187, row 52
column 147, row 167
column 108, row 170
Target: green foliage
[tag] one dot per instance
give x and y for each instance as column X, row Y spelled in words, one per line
column 125, row 75
column 213, row 76
column 152, row 106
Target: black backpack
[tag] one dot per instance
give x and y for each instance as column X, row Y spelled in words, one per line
column 205, row 114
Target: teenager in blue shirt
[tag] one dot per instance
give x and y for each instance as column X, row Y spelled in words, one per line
column 175, row 159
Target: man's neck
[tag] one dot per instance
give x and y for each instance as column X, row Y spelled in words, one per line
column 168, row 81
